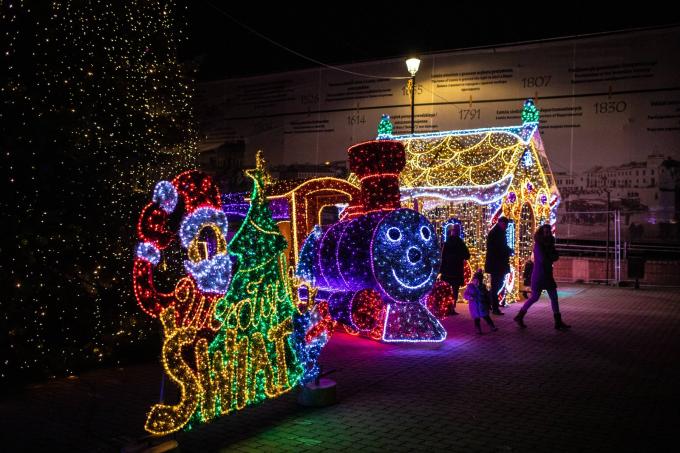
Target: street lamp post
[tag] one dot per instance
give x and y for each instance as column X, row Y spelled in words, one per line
column 412, row 64
column 609, row 201
column 606, row 254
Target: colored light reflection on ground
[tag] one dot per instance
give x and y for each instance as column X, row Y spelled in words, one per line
column 564, row 293
column 460, row 329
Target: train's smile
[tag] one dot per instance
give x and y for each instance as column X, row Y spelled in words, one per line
column 419, row 285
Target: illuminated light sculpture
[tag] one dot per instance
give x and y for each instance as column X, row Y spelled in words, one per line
column 236, row 206
column 211, row 274
column 312, row 330
column 377, row 165
column 148, row 252
column 440, row 299
column 478, row 175
column 308, row 256
column 482, row 194
column 165, row 195
column 530, row 112
column 300, row 203
column 385, row 127
column 266, row 341
column 377, row 263
column 357, row 309
column 260, row 302
column 194, row 199
column 449, row 223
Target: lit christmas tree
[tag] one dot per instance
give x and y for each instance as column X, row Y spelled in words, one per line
column 385, row 127
column 95, row 109
column 530, row 112
column 257, row 311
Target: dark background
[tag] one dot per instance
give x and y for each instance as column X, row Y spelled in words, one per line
column 348, row 32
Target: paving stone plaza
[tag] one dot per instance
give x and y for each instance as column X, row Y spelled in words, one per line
column 609, row 384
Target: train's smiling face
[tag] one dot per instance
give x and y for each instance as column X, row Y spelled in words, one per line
column 405, row 255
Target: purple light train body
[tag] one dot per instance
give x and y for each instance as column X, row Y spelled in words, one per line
column 379, row 252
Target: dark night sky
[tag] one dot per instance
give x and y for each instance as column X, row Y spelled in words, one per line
column 346, row 32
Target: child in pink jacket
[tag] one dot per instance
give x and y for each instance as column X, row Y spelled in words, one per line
column 479, row 301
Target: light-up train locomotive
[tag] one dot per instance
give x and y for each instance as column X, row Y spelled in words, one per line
column 376, row 265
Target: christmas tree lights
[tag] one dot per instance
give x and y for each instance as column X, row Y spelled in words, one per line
column 385, row 127
column 530, row 113
column 96, row 108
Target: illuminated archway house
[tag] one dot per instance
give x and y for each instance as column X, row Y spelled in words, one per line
column 474, row 176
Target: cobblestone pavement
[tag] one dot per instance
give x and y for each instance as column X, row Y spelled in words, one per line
column 610, row 384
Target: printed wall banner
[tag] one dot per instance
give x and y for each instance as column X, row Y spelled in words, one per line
column 610, row 115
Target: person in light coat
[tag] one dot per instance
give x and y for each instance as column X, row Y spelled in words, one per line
column 479, row 300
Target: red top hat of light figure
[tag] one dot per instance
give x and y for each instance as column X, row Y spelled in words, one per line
column 377, row 165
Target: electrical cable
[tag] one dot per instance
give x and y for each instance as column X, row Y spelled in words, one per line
column 294, row 52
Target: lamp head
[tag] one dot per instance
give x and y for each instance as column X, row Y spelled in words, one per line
column 412, row 64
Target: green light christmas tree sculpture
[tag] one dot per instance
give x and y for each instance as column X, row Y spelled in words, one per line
column 257, row 311
column 530, row 112
column 385, row 127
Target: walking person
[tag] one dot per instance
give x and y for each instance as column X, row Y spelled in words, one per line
column 478, row 298
column 542, row 278
column 526, row 277
column 452, row 269
column 497, row 262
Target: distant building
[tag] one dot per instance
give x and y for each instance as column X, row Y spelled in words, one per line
column 652, row 184
column 568, row 183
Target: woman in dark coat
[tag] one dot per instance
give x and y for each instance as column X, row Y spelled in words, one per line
column 497, row 261
column 454, row 254
column 542, row 278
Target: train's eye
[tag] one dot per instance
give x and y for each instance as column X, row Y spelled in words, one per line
column 393, row 234
column 425, row 233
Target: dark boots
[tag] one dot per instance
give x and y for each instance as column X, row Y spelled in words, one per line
column 478, row 326
column 451, row 310
column 559, row 325
column 488, row 320
column 519, row 319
